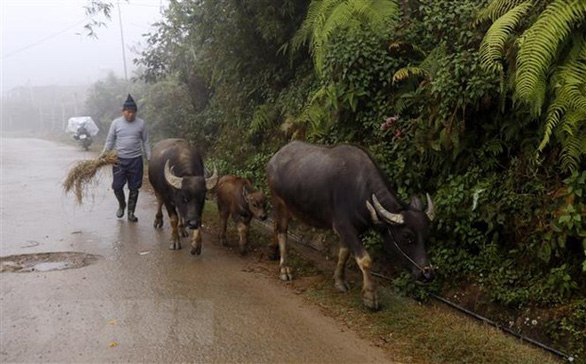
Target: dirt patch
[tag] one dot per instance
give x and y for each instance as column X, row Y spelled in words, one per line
column 45, row 262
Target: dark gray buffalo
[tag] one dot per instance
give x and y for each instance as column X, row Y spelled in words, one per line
column 176, row 172
column 237, row 197
column 342, row 188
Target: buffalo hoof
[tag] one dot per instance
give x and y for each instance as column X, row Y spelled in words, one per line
column 175, row 245
column 370, row 300
column 341, row 285
column 196, row 250
column 158, row 223
column 286, row 274
column 183, row 232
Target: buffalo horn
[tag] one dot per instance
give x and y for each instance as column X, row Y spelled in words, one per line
column 211, row 181
column 171, row 178
column 373, row 215
column 388, row 216
column 430, row 212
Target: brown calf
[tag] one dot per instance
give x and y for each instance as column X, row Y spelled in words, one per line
column 236, row 197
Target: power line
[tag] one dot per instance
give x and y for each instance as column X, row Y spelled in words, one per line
column 43, row 39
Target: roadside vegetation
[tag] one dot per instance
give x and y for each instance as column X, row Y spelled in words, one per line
column 482, row 104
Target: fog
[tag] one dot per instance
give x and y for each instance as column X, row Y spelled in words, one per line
column 43, row 42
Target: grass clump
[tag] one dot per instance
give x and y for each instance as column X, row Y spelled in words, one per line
column 84, row 172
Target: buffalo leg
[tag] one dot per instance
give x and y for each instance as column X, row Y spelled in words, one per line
column 243, row 237
column 174, row 219
column 224, row 214
column 159, row 216
column 340, row 273
column 196, row 242
column 350, row 238
column 181, row 227
column 369, row 295
column 274, row 242
column 281, row 221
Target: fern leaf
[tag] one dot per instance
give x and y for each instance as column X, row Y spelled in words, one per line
column 264, row 117
column 540, row 47
column 407, row 72
column 328, row 17
column 493, row 44
column 554, row 115
column 304, row 34
column 496, row 9
column 569, row 92
column 572, row 152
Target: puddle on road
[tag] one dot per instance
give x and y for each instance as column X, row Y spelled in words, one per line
column 45, row 262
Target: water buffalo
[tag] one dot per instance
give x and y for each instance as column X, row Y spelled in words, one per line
column 236, row 197
column 342, row 188
column 176, row 172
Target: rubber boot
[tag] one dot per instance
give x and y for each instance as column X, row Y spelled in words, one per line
column 132, row 198
column 121, row 202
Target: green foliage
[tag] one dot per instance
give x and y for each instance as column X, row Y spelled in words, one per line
column 407, row 72
column 549, row 67
column 448, row 22
column 263, row 118
column 492, row 47
column 469, row 218
column 355, row 79
column 540, row 46
column 567, row 113
column 105, row 98
column 168, row 109
column 458, row 87
column 569, row 219
column 460, row 83
column 405, row 284
column 341, row 17
column 498, row 8
column 572, row 325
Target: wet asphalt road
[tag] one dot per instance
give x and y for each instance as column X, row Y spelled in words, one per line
column 140, row 302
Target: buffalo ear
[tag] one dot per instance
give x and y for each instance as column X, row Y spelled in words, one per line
column 416, row 204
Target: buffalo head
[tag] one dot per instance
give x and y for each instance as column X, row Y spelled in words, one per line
column 189, row 194
column 406, row 232
column 256, row 202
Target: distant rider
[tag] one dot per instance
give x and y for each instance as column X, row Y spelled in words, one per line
column 128, row 136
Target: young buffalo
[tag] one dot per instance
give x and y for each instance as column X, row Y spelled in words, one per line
column 236, row 197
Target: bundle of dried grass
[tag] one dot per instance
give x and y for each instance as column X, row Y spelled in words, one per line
column 83, row 173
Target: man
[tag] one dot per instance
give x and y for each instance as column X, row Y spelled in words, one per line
column 128, row 136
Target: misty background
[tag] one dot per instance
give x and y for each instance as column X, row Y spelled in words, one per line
column 49, row 61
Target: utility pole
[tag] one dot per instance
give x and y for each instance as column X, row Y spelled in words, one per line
column 122, row 39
